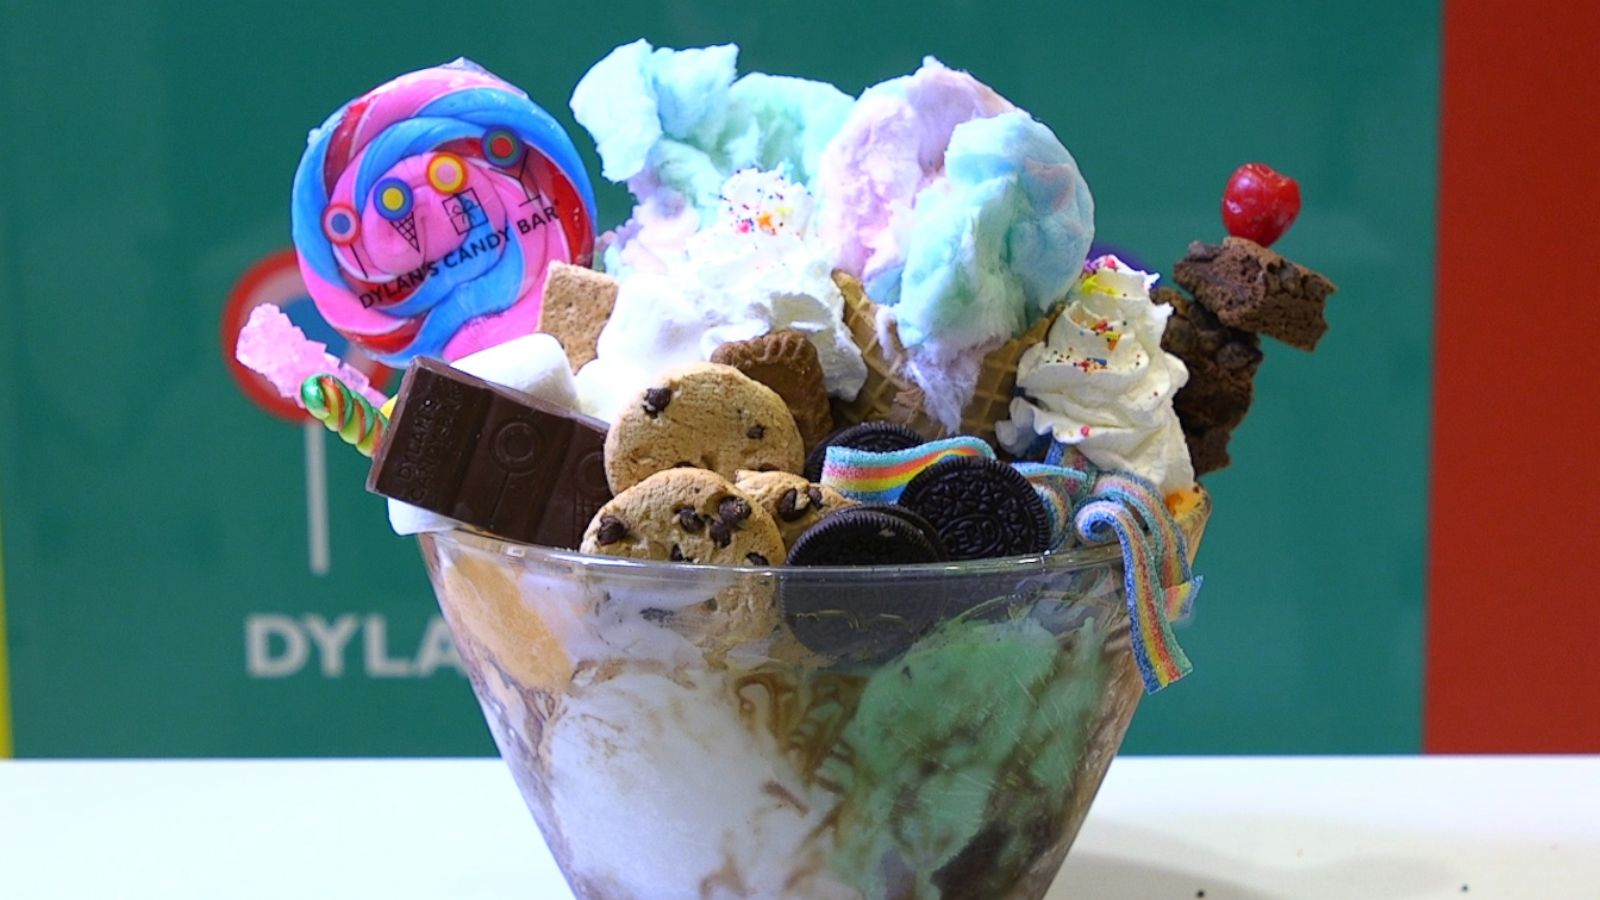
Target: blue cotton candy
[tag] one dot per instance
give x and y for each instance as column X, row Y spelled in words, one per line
column 996, row 243
column 675, row 124
column 616, row 102
column 692, row 90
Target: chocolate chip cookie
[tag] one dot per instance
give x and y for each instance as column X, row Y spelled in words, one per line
column 703, row 416
column 696, row 516
column 793, row 502
column 686, row 515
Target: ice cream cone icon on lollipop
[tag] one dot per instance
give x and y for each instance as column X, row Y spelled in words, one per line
column 394, row 202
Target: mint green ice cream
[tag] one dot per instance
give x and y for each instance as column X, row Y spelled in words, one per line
column 961, row 757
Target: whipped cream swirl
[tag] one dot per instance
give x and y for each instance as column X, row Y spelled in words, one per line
column 757, row 269
column 1101, row 382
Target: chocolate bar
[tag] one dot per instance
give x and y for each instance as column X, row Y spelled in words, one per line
column 491, row 457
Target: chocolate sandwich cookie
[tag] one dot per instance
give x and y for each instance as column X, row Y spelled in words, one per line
column 856, row 623
column 878, row 437
column 981, row 508
column 491, row 457
column 703, row 416
column 868, row 535
column 913, row 519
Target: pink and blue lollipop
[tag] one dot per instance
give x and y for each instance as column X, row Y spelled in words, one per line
column 426, row 211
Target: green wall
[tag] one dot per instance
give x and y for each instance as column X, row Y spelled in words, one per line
column 150, row 509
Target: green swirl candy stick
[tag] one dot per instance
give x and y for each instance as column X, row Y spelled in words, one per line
column 345, row 412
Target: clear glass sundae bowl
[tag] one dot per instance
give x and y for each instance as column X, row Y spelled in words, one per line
column 879, row 732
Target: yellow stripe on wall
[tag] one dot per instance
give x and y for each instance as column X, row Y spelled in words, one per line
column 5, row 686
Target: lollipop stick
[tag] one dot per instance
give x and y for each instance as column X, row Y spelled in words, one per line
column 316, row 496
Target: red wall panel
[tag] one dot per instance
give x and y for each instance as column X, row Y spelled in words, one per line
column 1514, row 560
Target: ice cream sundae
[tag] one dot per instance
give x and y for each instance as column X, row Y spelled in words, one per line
column 815, row 531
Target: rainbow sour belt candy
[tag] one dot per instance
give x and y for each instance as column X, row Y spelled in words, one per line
column 1157, row 581
column 1061, row 489
column 870, row 477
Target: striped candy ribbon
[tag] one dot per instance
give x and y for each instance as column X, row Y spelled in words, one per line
column 1061, row 489
column 1068, row 456
column 869, row 477
column 1158, row 583
column 1170, row 544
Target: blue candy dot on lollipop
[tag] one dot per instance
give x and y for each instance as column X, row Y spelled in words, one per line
column 393, row 198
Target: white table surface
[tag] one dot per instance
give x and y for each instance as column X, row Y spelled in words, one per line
column 1379, row 828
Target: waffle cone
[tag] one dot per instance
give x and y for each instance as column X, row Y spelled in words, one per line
column 887, row 395
column 997, row 381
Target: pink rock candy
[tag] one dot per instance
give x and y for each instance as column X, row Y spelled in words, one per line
column 274, row 347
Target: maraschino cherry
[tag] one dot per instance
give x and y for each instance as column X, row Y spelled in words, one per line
column 1260, row 203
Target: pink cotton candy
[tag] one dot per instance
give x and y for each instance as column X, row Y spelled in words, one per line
column 274, row 347
column 891, row 148
column 659, row 231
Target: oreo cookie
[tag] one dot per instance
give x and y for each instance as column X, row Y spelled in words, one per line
column 858, row 624
column 981, row 508
column 878, row 437
column 868, row 535
column 915, row 520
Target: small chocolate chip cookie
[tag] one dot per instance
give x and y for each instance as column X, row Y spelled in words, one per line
column 686, row 515
column 793, row 502
column 703, row 416
column 696, row 516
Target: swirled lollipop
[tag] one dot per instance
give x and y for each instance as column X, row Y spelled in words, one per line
column 426, row 211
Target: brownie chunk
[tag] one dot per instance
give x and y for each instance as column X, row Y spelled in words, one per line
column 1208, row 449
column 1254, row 289
column 1222, row 365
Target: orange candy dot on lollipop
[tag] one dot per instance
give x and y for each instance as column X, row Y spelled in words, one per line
column 447, row 173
